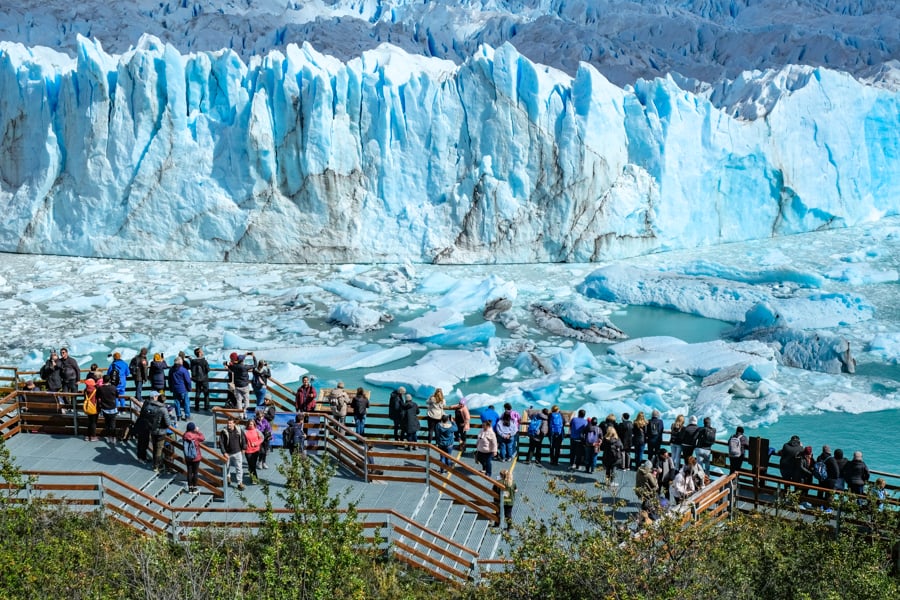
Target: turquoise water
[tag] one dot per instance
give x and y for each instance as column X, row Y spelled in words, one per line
column 103, row 305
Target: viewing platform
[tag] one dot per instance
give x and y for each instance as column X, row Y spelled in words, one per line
column 449, row 524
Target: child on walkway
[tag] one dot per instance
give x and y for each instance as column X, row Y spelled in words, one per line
column 509, row 496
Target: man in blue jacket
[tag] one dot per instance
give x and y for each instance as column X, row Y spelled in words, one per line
column 180, row 386
column 116, row 374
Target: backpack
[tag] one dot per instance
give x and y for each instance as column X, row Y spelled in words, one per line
column 735, row 447
column 820, row 471
column 615, row 449
column 113, row 376
column 556, row 423
column 90, row 404
column 592, row 434
column 654, row 429
column 190, row 450
column 534, row 427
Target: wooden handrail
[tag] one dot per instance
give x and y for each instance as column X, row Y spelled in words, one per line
column 159, row 510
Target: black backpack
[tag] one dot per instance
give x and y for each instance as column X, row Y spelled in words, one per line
column 654, row 429
column 113, row 377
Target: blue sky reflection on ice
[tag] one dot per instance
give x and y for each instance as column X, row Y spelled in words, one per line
column 96, row 306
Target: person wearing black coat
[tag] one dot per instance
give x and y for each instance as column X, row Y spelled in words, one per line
column 142, row 427
column 410, row 422
column 856, row 474
column 689, row 438
column 51, row 373
column 107, row 395
column 789, row 461
column 158, row 370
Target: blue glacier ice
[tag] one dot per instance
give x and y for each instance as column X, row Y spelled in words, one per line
column 295, row 156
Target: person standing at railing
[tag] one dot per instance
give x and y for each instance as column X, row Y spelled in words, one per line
column 239, row 379
column 193, row 436
column 556, row 425
column 395, row 411
column 577, row 427
column 158, row 368
column 51, row 373
column 789, row 459
column 411, row 425
column 180, row 384
column 463, row 419
column 737, row 449
column 305, row 397
column 339, row 401
column 856, row 474
column 705, row 438
column 593, row 438
column 360, row 407
column 434, row 411
column 200, row 379
column 537, row 431
column 506, row 432
column 107, row 401
column 639, row 438
column 118, row 374
column 486, row 446
column 70, row 371
column 443, row 439
column 91, row 409
column 655, row 428
column 625, row 430
column 689, row 438
column 260, row 381
column 140, row 373
column 675, row 436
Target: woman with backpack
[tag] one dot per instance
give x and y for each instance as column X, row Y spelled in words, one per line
column 612, row 453
column 462, row 418
column 556, row 426
column 592, row 439
column 737, row 446
column 537, row 430
column 192, row 455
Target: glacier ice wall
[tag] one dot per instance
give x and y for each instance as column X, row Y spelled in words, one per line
column 298, row 157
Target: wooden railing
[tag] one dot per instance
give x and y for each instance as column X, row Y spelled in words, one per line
column 442, row 558
column 9, row 415
column 388, row 460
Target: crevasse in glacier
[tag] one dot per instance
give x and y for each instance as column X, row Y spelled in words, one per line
column 389, row 157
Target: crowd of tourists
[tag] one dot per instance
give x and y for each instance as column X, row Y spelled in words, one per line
column 672, row 470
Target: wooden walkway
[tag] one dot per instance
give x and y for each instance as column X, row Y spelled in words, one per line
column 442, row 523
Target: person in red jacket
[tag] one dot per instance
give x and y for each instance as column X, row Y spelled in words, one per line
column 251, row 450
column 305, row 398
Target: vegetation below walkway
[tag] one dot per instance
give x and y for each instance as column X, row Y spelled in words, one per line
column 323, row 552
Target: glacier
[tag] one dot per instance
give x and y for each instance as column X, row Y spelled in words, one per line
column 298, row 157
